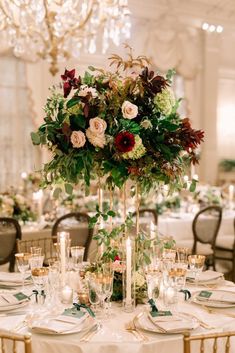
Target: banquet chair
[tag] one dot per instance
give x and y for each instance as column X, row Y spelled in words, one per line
column 209, row 343
column 150, row 213
column 205, row 228
column 12, row 342
column 10, row 231
column 46, row 244
column 77, row 224
column 225, row 251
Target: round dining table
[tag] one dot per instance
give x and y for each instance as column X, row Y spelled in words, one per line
column 113, row 337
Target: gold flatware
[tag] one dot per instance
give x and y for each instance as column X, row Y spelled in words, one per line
column 201, row 322
column 215, row 311
column 131, row 327
column 90, row 333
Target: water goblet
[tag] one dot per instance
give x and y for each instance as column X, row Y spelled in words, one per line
column 196, row 264
column 40, row 280
column 182, row 255
column 37, row 258
column 23, row 262
column 77, row 253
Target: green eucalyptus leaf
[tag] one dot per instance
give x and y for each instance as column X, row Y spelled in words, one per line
column 193, row 185
column 68, row 189
column 57, row 192
column 35, row 137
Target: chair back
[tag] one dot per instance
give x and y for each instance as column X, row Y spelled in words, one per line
column 206, row 226
column 13, row 342
column 149, row 213
column 46, row 244
column 209, row 343
column 76, row 223
column 10, row 231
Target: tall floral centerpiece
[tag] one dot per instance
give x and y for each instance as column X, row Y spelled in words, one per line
column 116, row 126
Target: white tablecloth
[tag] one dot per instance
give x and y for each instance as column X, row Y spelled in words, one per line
column 180, row 226
column 113, row 338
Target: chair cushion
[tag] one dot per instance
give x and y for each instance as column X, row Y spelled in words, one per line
column 225, row 241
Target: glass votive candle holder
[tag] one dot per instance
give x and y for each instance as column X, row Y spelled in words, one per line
column 66, row 295
column 83, row 298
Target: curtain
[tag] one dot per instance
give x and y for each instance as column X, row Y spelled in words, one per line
column 16, row 122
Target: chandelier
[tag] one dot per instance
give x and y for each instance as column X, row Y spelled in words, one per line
column 56, row 30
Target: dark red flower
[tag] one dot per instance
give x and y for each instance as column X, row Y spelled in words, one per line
column 68, row 75
column 117, row 258
column 124, row 141
column 153, row 84
column 69, row 81
column 189, row 137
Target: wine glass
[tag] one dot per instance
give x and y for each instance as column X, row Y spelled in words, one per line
column 92, row 291
column 153, row 277
column 23, row 262
column 107, row 270
column 196, row 264
column 104, row 286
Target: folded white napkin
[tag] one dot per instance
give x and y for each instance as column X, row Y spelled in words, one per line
column 10, row 277
column 205, row 276
column 173, row 324
column 217, row 297
column 10, row 299
column 60, row 324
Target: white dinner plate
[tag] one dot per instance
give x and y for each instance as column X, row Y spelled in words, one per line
column 84, row 326
column 13, row 306
column 213, row 304
column 144, row 323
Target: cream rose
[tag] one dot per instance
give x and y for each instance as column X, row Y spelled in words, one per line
column 129, row 110
column 78, row 139
column 97, row 125
column 97, row 140
column 85, row 90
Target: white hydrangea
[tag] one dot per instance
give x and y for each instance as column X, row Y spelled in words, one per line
column 165, row 101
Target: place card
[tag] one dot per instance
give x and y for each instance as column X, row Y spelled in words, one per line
column 20, row 296
column 160, row 313
column 205, row 294
column 73, row 312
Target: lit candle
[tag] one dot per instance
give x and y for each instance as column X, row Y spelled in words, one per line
column 230, row 193
column 67, row 295
column 37, row 197
column 128, row 271
column 185, row 178
column 62, row 256
column 195, row 177
column 23, row 175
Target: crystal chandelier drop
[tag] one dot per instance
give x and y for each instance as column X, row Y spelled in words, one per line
column 55, row 30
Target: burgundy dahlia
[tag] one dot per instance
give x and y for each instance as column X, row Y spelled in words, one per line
column 70, row 81
column 124, row 141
